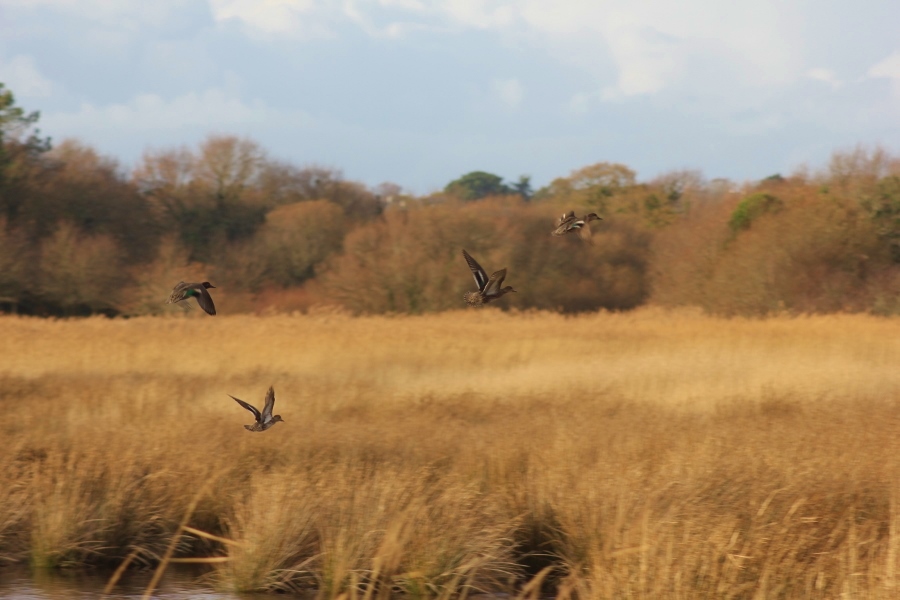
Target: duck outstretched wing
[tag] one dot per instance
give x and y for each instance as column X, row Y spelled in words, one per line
column 481, row 278
column 249, row 407
column 493, row 285
column 564, row 225
column 269, row 406
column 566, row 217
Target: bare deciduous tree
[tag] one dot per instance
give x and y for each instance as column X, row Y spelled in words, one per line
column 229, row 165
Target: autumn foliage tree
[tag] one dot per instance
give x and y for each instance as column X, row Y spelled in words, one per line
column 798, row 244
column 79, row 234
column 68, row 220
column 411, row 260
column 219, row 195
column 208, row 197
column 288, row 247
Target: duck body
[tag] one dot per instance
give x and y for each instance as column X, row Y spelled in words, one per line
column 489, row 289
column 569, row 223
column 264, row 419
column 183, row 291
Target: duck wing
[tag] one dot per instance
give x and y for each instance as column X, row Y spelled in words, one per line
column 205, row 300
column 249, row 407
column 564, row 225
column 269, row 406
column 566, row 217
column 493, row 285
column 481, row 278
column 563, row 228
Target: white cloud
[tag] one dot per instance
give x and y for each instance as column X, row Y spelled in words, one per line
column 22, row 77
column 650, row 46
column 888, row 68
column 210, row 110
column 132, row 14
column 697, row 70
column 481, row 14
column 647, row 62
column 271, row 16
column 825, row 76
column 508, row 91
column 390, row 27
column 655, row 44
column 413, row 5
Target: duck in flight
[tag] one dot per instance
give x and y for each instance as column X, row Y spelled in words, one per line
column 183, row 291
column 488, row 289
column 264, row 419
column 569, row 223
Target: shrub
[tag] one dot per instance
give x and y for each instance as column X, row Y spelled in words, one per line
column 813, row 253
column 287, row 248
column 410, row 261
column 299, row 236
column 79, row 273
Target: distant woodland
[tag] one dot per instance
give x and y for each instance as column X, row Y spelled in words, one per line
column 80, row 235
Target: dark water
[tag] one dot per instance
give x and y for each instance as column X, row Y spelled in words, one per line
column 176, row 584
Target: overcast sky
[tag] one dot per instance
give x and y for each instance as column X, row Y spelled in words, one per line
column 418, row 92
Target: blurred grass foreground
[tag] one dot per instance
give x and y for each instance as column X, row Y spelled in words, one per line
column 650, row 454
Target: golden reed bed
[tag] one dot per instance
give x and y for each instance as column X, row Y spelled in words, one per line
column 650, row 454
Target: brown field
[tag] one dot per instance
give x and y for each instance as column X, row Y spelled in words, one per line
column 649, row 454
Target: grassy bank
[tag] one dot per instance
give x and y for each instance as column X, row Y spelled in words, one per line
column 650, row 454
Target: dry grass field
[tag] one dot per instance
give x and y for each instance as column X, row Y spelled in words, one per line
column 649, row 454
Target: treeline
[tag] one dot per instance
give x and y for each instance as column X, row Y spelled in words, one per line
column 80, row 235
column 825, row 242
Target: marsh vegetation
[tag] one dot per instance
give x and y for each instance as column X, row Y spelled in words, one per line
column 646, row 454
